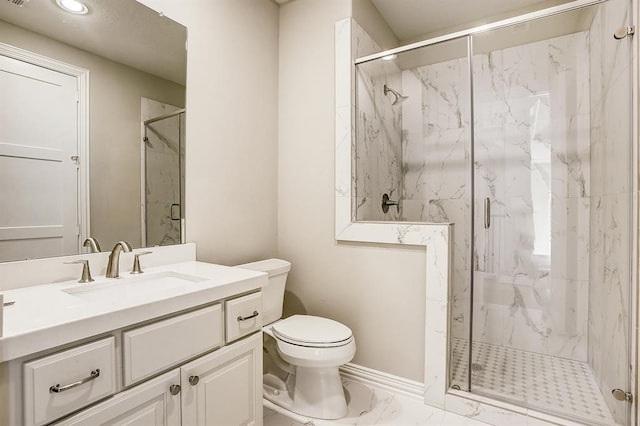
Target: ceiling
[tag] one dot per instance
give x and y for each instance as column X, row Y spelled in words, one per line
column 113, row 28
column 412, row 19
column 124, row 31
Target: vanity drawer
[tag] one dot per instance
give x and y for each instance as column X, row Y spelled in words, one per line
column 67, row 381
column 153, row 348
column 243, row 315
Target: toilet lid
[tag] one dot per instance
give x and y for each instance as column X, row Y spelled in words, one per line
column 310, row 330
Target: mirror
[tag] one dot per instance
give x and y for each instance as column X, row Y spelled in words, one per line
column 131, row 188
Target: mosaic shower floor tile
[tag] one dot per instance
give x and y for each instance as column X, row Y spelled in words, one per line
column 536, row 381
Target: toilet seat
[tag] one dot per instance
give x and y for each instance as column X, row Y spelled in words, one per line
column 311, row 331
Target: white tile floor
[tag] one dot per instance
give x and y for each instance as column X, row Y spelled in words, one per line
column 370, row 406
column 537, row 381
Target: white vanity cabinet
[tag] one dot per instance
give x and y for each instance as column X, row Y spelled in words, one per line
column 150, row 403
column 179, row 369
column 221, row 388
column 179, row 345
column 65, row 381
column 224, row 387
column 153, row 348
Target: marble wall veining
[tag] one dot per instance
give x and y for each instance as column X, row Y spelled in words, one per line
column 532, row 162
column 378, row 149
column 436, row 163
column 163, row 179
column 353, row 42
column 553, row 154
column 611, row 196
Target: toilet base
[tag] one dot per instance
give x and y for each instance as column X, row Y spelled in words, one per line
column 317, row 392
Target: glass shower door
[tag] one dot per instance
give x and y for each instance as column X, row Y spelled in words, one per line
column 552, row 206
column 164, row 180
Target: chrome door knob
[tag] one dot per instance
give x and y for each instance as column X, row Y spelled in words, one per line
column 194, row 380
column 174, row 389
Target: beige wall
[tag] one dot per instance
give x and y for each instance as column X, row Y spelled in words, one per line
column 368, row 17
column 378, row 291
column 232, row 101
column 234, row 157
column 115, row 92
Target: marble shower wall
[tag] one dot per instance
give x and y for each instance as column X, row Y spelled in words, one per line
column 162, row 174
column 436, row 163
column 378, row 149
column 532, row 161
column 553, row 154
column 611, row 198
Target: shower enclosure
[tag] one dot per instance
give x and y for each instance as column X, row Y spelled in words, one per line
column 163, row 138
column 521, row 135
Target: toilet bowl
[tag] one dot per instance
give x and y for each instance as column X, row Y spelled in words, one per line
column 316, row 347
column 303, row 353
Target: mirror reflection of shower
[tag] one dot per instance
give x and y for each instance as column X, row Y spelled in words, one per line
column 399, row 97
column 163, row 178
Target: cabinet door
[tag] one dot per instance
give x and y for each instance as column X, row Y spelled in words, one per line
column 150, row 403
column 224, row 387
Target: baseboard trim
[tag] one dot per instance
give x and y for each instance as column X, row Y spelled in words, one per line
column 396, row 384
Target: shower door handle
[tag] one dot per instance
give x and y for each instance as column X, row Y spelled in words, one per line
column 487, row 213
column 175, row 212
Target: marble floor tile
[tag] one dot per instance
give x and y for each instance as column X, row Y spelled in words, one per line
column 368, row 405
column 537, row 381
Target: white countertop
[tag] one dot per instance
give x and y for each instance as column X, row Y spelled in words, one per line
column 45, row 316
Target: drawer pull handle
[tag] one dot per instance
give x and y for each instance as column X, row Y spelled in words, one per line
column 253, row 315
column 175, row 389
column 193, row 380
column 57, row 388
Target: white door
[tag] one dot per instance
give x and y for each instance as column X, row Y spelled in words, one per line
column 225, row 387
column 38, row 161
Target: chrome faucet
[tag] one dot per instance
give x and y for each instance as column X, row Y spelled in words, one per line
column 93, row 244
column 113, row 267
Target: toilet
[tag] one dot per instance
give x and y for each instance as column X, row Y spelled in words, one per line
column 302, row 352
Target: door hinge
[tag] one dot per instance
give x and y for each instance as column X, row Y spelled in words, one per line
column 621, row 395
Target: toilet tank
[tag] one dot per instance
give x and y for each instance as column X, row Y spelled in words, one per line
column 273, row 292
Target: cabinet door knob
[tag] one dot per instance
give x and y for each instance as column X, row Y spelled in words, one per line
column 194, row 380
column 174, row 389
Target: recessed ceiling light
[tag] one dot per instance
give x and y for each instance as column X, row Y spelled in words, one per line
column 73, row 6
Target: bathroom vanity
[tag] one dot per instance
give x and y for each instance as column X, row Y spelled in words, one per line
column 179, row 344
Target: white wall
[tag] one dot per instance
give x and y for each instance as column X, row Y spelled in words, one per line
column 231, row 138
column 378, row 291
column 234, row 157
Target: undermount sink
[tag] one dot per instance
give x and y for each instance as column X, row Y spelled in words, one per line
column 133, row 287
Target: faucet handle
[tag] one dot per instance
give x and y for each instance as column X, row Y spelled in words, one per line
column 86, row 272
column 136, row 262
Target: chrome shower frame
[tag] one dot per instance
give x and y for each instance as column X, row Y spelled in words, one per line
column 544, row 13
column 145, row 128
column 634, row 302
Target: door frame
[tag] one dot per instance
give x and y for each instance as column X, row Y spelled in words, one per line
column 82, row 78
